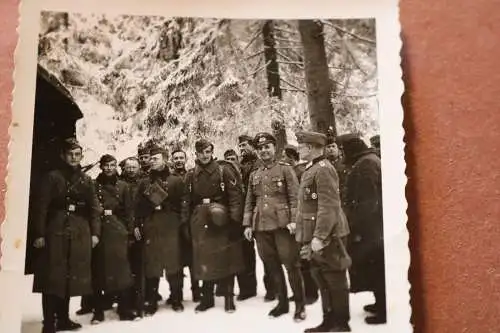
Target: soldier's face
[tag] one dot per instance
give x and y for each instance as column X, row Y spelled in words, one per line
column 205, row 156
column 332, row 150
column 73, row 157
column 232, row 158
column 156, row 161
column 304, row 151
column 245, row 148
column 131, row 167
column 287, row 159
column 179, row 160
column 266, row 151
column 145, row 160
column 109, row 168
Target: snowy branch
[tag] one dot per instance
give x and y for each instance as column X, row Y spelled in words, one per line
column 259, row 69
column 299, row 64
column 253, row 39
column 254, row 55
column 361, row 38
column 292, row 85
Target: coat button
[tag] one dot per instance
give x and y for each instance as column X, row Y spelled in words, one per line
column 206, row 226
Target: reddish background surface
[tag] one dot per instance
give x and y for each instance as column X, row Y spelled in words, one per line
column 450, row 62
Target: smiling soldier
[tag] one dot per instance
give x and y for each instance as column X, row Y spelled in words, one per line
column 270, row 207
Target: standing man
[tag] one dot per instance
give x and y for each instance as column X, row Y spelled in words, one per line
column 375, row 142
column 364, row 212
column 179, row 164
column 291, row 156
column 67, row 226
column 158, row 226
column 110, row 265
column 270, row 207
column 247, row 280
column 131, row 173
column 322, row 231
column 212, row 206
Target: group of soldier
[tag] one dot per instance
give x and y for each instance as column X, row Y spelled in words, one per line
column 113, row 238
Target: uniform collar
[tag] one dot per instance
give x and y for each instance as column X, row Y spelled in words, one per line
column 314, row 161
column 269, row 166
column 209, row 168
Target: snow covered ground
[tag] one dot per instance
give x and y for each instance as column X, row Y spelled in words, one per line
column 251, row 315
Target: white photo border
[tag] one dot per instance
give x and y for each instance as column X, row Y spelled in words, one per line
column 390, row 89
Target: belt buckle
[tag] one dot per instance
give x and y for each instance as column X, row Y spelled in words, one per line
column 158, row 207
column 71, row 208
column 206, row 200
column 108, row 212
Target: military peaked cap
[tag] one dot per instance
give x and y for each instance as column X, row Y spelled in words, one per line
column 264, row 138
column 157, row 150
column 311, row 137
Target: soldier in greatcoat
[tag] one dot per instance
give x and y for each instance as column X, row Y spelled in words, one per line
column 179, row 160
column 291, row 156
column 67, row 227
column 334, row 154
column 364, row 213
column 111, row 272
column 158, row 223
column 247, row 280
column 131, row 174
column 212, row 206
column 269, row 216
column 322, row 231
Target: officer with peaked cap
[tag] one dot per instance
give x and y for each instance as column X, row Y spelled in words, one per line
column 247, row 280
column 67, row 226
column 212, row 206
column 322, row 231
column 270, row 206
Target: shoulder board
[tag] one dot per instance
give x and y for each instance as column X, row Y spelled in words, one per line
column 308, row 165
column 284, row 163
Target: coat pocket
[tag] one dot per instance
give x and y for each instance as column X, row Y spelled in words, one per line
column 283, row 216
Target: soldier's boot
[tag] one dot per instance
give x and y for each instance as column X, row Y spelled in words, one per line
column 207, row 297
column 151, row 293
column 175, row 282
column 380, row 314
column 85, row 305
column 49, row 314
column 297, row 284
column 124, row 310
column 63, row 321
column 282, row 308
column 324, row 326
column 228, row 285
column 195, row 287
column 97, row 317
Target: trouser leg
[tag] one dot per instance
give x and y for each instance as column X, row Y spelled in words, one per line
column 49, row 309
column 247, row 280
column 195, row 284
column 310, row 287
column 323, row 289
column 176, row 282
column 339, row 295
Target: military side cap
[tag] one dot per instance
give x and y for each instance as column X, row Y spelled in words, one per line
column 230, row 152
column 202, row 144
column 157, row 150
column 264, row 138
column 106, row 159
column 70, row 143
column 311, row 137
column 292, row 150
column 245, row 138
column 142, row 150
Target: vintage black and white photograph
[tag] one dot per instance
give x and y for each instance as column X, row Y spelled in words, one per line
column 211, row 174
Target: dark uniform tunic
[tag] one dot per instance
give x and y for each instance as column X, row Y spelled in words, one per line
column 111, row 268
column 270, row 205
column 320, row 215
column 68, row 215
column 159, row 217
column 216, row 254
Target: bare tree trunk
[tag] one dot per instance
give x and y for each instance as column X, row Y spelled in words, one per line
column 319, row 85
column 273, row 81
